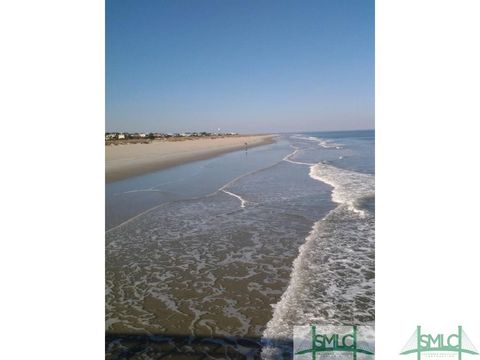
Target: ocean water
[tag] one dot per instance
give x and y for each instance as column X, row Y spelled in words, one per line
column 221, row 257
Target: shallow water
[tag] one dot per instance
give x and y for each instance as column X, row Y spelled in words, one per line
column 212, row 244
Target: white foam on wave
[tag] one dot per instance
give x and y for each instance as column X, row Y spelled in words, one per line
column 325, row 143
column 334, row 267
column 329, row 144
column 289, row 156
column 348, row 186
column 243, row 202
column 332, row 281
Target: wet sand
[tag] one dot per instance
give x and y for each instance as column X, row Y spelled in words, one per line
column 123, row 161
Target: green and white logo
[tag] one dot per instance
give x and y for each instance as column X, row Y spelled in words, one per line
column 316, row 342
column 439, row 346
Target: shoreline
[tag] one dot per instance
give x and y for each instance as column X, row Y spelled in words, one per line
column 129, row 160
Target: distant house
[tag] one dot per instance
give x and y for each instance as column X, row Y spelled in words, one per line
column 120, row 136
column 142, row 135
column 159, row 135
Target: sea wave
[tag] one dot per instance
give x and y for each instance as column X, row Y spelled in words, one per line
column 332, row 279
column 348, row 186
column 325, row 143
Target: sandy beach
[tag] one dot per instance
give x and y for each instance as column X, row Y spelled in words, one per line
column 123, row 161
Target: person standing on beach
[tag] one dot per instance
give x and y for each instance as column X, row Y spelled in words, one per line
column 246, row 146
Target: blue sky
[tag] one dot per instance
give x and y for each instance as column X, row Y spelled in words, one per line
column 246, row 66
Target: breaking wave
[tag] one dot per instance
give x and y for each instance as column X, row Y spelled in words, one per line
column 325, row 143
column 333, row 277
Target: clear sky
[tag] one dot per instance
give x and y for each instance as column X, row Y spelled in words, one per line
column 239, row 65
